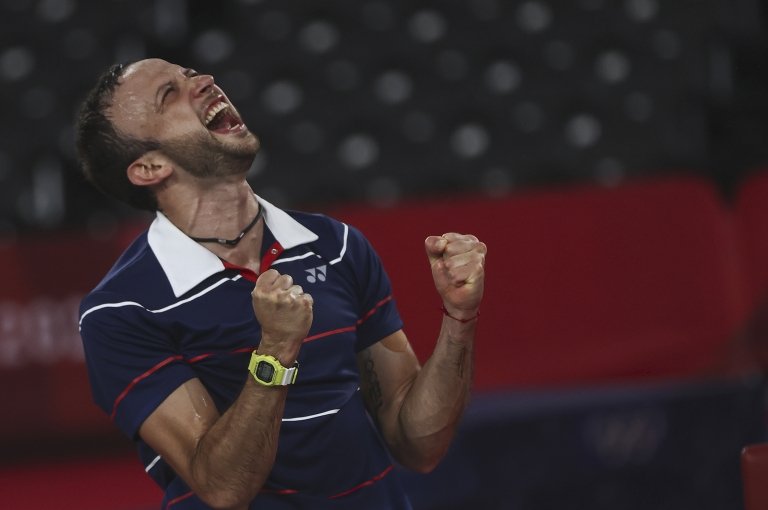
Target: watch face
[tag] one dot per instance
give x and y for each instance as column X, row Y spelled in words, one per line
column 265, row 371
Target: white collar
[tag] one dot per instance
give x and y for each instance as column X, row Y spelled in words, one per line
column 186, row 263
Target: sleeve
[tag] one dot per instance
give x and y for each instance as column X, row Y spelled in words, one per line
column 378, row 313
column 132, row 362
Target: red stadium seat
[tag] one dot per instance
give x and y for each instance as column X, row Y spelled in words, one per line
column 754, row 470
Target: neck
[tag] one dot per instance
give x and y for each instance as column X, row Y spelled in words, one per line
column 219, row 210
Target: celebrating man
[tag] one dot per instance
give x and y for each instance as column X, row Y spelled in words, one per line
column 240, row 389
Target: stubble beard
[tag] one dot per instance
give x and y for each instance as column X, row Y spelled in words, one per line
column 204, row 156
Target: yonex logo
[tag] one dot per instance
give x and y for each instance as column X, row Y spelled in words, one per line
column 316, row 273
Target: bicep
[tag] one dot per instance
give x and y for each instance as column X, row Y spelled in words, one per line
column 174, row 429
column 388, row 370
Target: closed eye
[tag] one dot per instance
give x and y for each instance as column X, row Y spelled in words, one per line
column 165, row 91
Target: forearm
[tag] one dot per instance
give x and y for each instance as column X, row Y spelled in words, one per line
column 418, row 409
column 235, row 456
column 434, row 405
column 226, row 459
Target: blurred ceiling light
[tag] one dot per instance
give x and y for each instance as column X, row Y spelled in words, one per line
column 393, row 87
column 318, row 37
column 358, row 151
column 427, row 26
column 470, row 140
column 213, row 46
column 16, row 63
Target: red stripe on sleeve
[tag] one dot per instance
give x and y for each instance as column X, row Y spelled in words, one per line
column 364, row 484
column 281, row 492
column 365, row 317
column 138, row 379
column 200, row 357
column 180, row 498
column 370, row 312
column 329, row 333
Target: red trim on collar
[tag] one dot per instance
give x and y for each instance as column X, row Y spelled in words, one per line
column 244, row 271
column 270, row 256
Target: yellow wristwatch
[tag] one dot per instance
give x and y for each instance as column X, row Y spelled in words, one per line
column 268, row 371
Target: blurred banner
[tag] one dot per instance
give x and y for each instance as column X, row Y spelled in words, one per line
column 585, row 286
column 46, row 396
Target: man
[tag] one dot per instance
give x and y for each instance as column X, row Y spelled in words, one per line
column 241, row 389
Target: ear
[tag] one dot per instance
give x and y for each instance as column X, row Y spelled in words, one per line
column 151, row 168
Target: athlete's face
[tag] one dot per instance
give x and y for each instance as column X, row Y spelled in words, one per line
column 185, row 112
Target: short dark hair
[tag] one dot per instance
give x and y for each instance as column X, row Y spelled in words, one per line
column 104, row 152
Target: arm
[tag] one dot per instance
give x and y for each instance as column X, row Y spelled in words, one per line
column 225, row 459
column 418, row 409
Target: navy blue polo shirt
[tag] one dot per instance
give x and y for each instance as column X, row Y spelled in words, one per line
column 170, row 310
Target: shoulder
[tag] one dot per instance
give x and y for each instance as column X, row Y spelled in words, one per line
column 334, row 236
column 135, row 276
column 320, row 224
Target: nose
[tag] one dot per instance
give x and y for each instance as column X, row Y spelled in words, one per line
column 202, row 84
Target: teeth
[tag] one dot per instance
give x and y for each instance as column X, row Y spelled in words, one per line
column 213, row 111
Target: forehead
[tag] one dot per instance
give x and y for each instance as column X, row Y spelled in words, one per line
column 143, row 76
column 134, row 97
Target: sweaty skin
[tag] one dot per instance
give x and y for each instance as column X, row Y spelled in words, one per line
column 199, row 180
column 396, row 344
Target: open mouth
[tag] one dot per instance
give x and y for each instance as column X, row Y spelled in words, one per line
column 221, row 118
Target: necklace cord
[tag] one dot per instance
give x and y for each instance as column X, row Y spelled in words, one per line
column 231, row 242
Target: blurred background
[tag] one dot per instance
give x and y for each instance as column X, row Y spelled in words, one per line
column 611, row 153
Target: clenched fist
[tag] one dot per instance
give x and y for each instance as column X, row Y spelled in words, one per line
column 284, row 312
column 458, row 269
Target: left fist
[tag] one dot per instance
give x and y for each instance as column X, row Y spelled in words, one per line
column 458, row 269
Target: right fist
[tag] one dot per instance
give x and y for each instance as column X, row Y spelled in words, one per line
column 283, row 310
